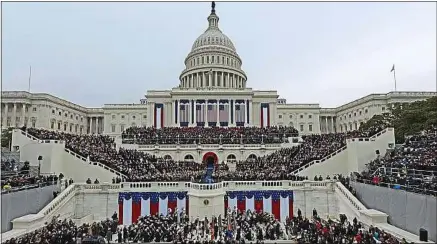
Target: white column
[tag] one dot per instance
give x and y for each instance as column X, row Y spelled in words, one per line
column 222, row 78
column 203, row 79
column 228, row 84
column 91, row 125
column 229, row 110
column 206, row 113
column 14, row 115
column 218, row 118
column 209, row 79
column 178, row 112
column 245, row 113
column 250, row 114
column 23, row 112
column 97, row 125
column 216, row 79
column 6, row 112
column 326, row 124
column 233, row 111
column 195, row 112
column 332, row 125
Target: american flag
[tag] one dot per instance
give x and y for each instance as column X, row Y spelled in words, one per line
column 200, row 113
column 239, row 113
column 184, row 112
column 212, row 113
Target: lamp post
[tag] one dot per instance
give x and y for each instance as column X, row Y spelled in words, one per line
column 220, row 139
column 39, row 165
column 262, row 139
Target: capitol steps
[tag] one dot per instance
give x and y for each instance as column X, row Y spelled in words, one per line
column 59, row 159
column 351, row 158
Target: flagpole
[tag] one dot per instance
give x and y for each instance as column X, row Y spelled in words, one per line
column 30, row 77
column 394, row 76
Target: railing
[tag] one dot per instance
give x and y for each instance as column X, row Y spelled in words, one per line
column 28, row 187
column 406, row 171
column 208, row 146
column 270, row 138
column 340, row 150
column 319, row 161
column 399, row 187
column 225, row 185
column 73, row 153
column 354, row 202
column 95, row 163
column 40, row 140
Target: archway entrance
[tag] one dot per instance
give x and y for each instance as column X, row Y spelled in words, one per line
column 210, row 159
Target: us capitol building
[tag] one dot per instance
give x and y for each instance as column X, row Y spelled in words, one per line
column 212, row 91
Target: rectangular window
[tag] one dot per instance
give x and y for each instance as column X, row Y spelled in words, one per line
column 112, row 128
column 34, row 109
column 33, row 123
column 310, row 127
column 301, row 116
column 59, row 125
column 113, row 116
column 52, row 125
column 310, row 116
column 65, row 127
column 121, row 128
column 301, row 127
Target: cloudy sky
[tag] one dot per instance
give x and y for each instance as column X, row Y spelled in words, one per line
column 327, row 53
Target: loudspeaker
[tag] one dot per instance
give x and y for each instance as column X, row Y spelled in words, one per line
column 423, row 234
column 39, row 157
column 377, row 152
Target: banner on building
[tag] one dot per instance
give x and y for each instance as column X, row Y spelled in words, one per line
column 132, row 205
column 265, row 115
column 159, row 116
column 279, row 203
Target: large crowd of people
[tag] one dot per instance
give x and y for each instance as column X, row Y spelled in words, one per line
column 141, row 166
column 209, row 135
column 234, row 227
column 411, row 167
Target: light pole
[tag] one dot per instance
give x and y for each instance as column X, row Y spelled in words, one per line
column 39, row 165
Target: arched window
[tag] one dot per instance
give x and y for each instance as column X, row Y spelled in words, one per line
column 231, row 158
column 252, row 157
column 189, row 157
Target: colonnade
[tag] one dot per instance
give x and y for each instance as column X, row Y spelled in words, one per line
column 216, row 79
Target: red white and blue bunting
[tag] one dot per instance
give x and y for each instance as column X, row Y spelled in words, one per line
column 132, row 205
column 279, row 203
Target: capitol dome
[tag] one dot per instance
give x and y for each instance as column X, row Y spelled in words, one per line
column 213, row 36
column 213, row 61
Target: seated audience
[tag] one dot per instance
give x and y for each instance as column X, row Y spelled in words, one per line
column 210, row 135
column 412, row 166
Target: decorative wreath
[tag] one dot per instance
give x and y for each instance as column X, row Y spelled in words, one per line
column 206, row 202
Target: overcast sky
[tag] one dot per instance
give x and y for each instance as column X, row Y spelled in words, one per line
column 327, row 53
